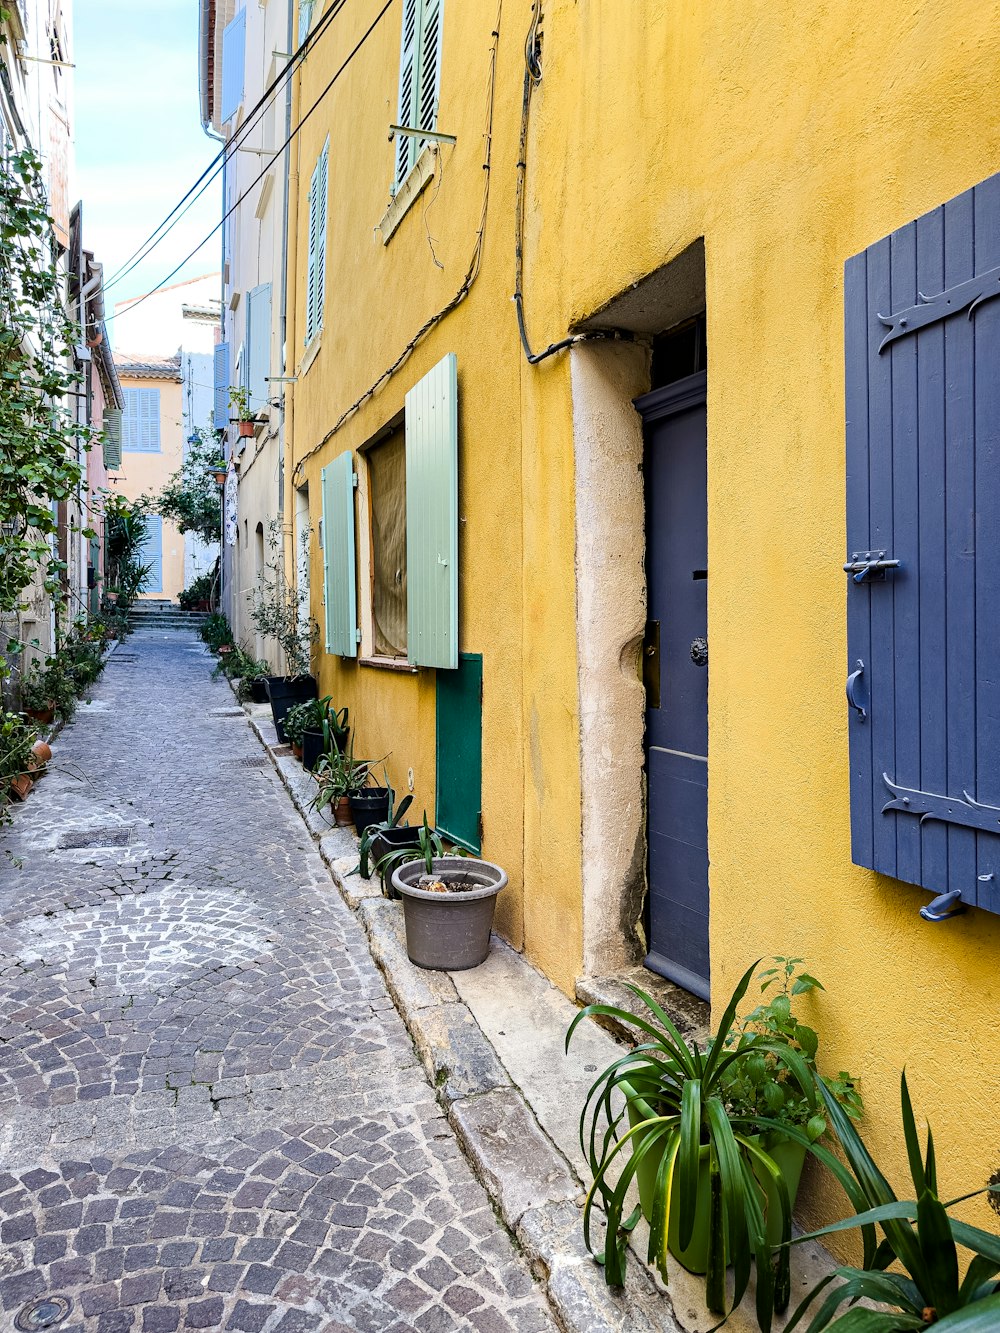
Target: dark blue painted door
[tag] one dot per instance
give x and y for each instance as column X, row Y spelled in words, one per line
column 677, row 713
column 923, row 487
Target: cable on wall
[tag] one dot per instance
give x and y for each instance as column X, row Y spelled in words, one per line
column 467, row 281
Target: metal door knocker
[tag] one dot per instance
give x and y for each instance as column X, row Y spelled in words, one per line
column 699, row 652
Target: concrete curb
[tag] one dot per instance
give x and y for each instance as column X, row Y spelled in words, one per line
column 532, row 1186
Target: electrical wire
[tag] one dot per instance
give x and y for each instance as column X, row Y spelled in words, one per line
column 218, row 162
column 257, row 179
column 470, row 275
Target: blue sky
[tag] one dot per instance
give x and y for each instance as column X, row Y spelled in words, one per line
column 139, row 141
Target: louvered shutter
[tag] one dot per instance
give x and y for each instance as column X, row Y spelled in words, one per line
column 339, row 590
column 234, row 49
column 141, row 421
column 259, row 346
column 112, row 438
column 407, row 114
column 432, row 516
column 430, row 66
column 220, row 386
column 923, row 474
column 316, row 265
column 152, row 553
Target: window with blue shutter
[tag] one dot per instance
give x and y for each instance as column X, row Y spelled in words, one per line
column 419, row 78
column 220, row 384
column 112, row 438
column 339, row 587
column 316, row 251
column 259, row 346
column 923, row 549
column 432, row 516
column 234, row 50
column 152, row 553
column 141, row 421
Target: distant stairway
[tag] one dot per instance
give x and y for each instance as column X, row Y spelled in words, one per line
column 159, row 615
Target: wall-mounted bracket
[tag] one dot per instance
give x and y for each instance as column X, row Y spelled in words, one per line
column 945, row 905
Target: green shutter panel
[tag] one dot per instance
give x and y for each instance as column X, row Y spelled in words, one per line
column 432, row 516
column 430, row 66
column 316, row 265
column 220, row 386
column 259, row 346
column 112, row 438
column 339, row 591
column 407, row 114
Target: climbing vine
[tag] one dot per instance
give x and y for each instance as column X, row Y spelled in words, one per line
column 40, row 439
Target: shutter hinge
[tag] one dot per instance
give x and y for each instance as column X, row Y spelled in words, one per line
column 357, row 636
column 354, row 480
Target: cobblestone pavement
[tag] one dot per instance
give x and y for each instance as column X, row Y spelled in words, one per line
column 211, row 1115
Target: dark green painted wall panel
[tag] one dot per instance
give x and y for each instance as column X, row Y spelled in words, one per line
column 460, row 751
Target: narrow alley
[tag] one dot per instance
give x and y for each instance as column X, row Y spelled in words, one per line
column 211, row 1115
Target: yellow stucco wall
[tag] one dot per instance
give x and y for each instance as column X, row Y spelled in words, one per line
column 147, row 473
column 789, row 137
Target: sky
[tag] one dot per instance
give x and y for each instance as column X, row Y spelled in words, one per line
column 139, row 141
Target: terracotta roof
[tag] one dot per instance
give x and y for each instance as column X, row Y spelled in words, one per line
column 142, row 365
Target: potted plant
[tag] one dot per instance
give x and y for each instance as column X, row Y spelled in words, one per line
column 695, row 1156
column 370, row 803
column 448, row 904
column 380, row 839
column 338, row 775
column 280, row 611
column 918, row 1236
column 331, row 733
column 17, row 759
column 239, row 401
column 295, row 724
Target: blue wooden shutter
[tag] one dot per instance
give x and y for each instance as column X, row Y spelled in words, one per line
column 923, row 477
column 339, row 589
column 234, row 49
column 141, row 421
column 259, row 346
column 152, row 553
column 112, row 438
column 220, row 384
column 432, row 516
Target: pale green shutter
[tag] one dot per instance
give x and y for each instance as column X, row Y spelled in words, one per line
column 112, row 438
column 316, row 267
column 259, row 346
column 432, row 516
column 430, row 66
column 407, row 114
column 339, row 591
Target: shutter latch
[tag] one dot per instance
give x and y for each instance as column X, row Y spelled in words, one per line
column 870, row 566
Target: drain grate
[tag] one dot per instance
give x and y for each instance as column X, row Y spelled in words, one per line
column 226, row 712
column 251, row 761
column 96, row 837
column 280, row 751
column 122, row 657
column 43, row 1313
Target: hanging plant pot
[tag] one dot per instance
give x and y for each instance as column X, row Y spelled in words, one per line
column 246, row 429
column 284, row 691
column 342, row 812
column 21, row 785
column 369, row 806
column 448, row 925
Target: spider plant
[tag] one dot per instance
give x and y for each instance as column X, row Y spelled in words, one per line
column 919, row 1236
column 693, row 1132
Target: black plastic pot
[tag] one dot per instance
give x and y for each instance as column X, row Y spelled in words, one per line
column 258, row 690
column 312, row 745
column 449, row 931
column 391, row 839
column 284, row 692
column 369, row 806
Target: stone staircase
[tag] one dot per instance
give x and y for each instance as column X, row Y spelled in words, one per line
column 160, row 614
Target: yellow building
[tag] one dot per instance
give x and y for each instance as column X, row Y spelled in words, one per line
column 670, row 194
column 152, row 451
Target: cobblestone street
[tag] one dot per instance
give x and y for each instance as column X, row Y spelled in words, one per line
column 211, row 1115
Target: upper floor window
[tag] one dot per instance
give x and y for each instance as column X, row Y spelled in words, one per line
column 316, row 268
column 419, row 79
column 141, row 421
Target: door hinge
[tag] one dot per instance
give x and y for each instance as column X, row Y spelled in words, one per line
column 357, row 636
column 354, row 480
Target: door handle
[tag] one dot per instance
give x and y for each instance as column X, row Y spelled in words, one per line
column 852, row 690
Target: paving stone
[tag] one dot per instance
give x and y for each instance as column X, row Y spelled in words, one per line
column 457, row 1056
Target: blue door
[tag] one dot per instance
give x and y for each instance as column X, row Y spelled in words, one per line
column 676, row 673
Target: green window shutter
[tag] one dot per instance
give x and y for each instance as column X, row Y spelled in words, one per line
column 430, row 65
column 112, row 438
column 259, row 346
column 419, row 78
column 407, row 113
column 339, row 590
column 316, row 266
column 458, row 800
column 432, row 516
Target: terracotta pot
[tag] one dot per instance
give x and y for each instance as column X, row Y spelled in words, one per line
column 296, row 750
column 342, row 812
column 225, row 648
column 42, row 751
column 43, row 715
column 246, row 429
column 20, row 786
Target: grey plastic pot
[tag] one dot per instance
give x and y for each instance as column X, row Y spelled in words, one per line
column 449, row 931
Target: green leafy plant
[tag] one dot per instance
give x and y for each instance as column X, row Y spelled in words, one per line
column 374, row 831
column 303, row 717
column 429, row 845
column 338, row 775
column 280, row 610
column 48, row 684
column 40, row 437
column 16, row 739
column 918, row 1236
column 126, row 523
column 201, row 589
column 761, row 1085
column 215, row 631
column 239, row 401
column 191, row 496
column 691, row 1125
